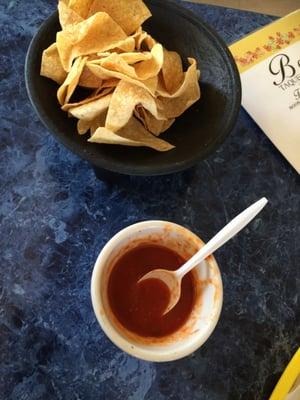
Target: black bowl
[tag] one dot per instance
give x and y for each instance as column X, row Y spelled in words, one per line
column 196, row 134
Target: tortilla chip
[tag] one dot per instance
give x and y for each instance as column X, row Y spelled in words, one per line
column 129, row 14
column 89, row 80
column 144, row 41
column 132, row 58
column 153, row 125
column 150, row 84
column 124, row 100
column 51, row 66
column 133, row 134
column 67, row 16
column 98, row 56
column 81, row 7
column 139, row 37
column 137, row 32
column 126, row 45
column 150, row 68
column 142, row 71
column 66, row 90
column 94, row 96
column 192, row 72
column 97, row 123
column 171, row 106
column 110, row 83
column 172, row 71
column 83, row 126
column 91, row 110
column 95, row 34
column 114, row 62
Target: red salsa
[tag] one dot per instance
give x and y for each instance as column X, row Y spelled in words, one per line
column 139, row 307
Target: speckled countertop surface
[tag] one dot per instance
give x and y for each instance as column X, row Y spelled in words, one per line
column 55, row 216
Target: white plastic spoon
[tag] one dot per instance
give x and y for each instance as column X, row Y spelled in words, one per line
column 173, row 278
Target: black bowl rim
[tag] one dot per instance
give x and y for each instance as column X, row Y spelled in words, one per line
column 147, row 170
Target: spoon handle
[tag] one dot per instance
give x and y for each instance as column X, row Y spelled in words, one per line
column 225, row 234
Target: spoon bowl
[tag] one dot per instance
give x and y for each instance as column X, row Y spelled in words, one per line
column 171, row 280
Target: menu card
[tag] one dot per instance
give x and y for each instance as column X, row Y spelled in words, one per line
column 269, row 64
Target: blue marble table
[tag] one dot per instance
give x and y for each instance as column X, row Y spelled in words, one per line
column 55, row 216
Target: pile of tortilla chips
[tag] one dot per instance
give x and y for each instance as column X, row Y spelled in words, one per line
column 136, row 88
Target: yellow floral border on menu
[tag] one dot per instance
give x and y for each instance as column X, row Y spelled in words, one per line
column 267, row 41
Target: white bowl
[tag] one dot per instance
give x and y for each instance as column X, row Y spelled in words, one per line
column 209, row 289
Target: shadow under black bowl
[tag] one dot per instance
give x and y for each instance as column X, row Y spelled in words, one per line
column 196, row 134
